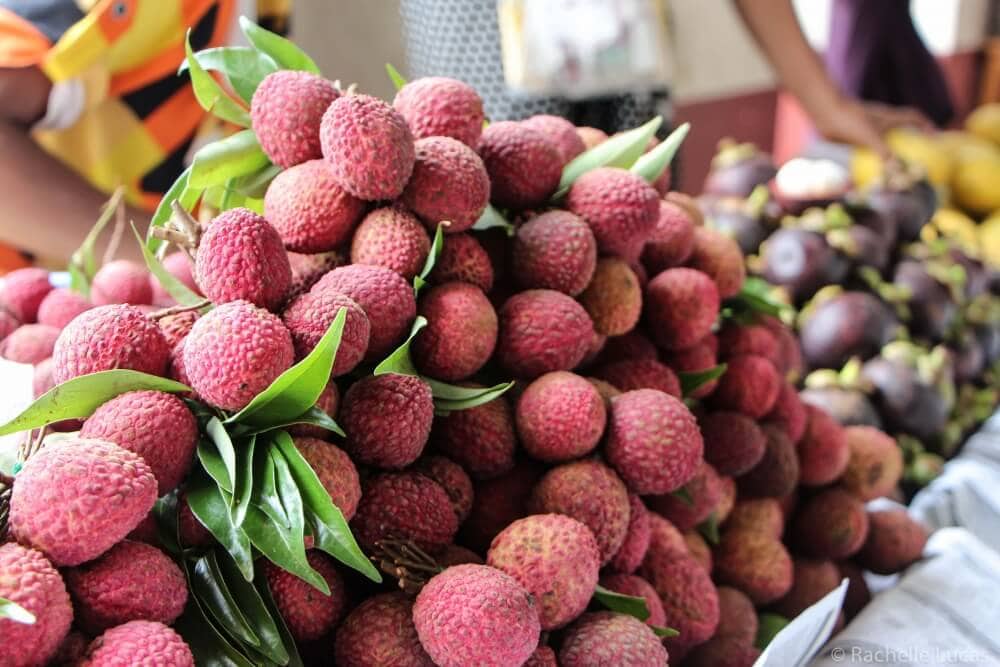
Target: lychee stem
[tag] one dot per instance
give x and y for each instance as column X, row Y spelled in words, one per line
column 407, row 562
column 116, row 233
column 173, row 310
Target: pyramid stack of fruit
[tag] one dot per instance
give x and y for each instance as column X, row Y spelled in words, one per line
column 350, row 414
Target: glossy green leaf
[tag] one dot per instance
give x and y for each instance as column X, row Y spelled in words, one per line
column 181, row 293
column 243, row 67
column 432, row 257
column 397, row 79
column 296, row 390
column 623, row 604
column 451, row 398
column 653, row 164
column 244, row 481
column 682, row 494
column 79, row 397
column 265, row 594
column 768, row 625
column 83, row 263
column 230, row 197
column 217, row 432
column 253, row 607
column 619, row 151
column 14, row 612
column 208, row 584
column 400, row 362
column 167, row 526
column 211, row 508
column 709, row 529
column 281, row 50
column 265, row 488
column 314, row 416
column 213, row 463
column 237, row 155
column 210, row 94
column 491, row 218
column 665, row 632
column 280, row 546
column 756, row 296
column 179, row 192
column 694, row 380
column 209, row 646
column 255, row 185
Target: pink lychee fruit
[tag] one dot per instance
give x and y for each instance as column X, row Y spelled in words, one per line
column 29, row 580
column 121, row 281
column 542, row 331
column 308, row 613
column 139, row 643
column 460, row 335
column 620, row 207
column 436, row 106
column 309, row 316
column 285, row 113
column 523, row 165
column 22, row 291
column 60, row 306
column 449, row 184
column 560, row 417
column 387, row 419
column 408, row 506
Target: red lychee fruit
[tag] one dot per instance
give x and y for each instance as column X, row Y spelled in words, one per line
column 665, row 541
column 762, row 515
column 631, row 374
column 734, row 443
column 121, row 281
column 789, row 412
column 636, row 543
column 722, row 651
column 635, row 586
column 234, row 352
column 60, row 306
column 437, row 106
column 777, row 472
column 308, row 269
column 241, row 256
column 875, row 465
column 758, row 339
column 308, row 613
column 22, row 291
column 542, row 331
column 177, row 326
column 29, row 344
column 387, row 419
column 704, row 491
column 405, row 505
column 720, row 257
column 7, row 324
column 523, row 165
column 653, row 441
column 139, row 643
column 498, row 503
column 368, row 147
column 452, row 479
column 460, row 335
column 480, row 439
column 620, row 207
column 380, row 631
column 560, row 132
column 690, row 603
column 463, row 259
column 681, row 307
column 449, row 184
column 699, row 357
column 335, row 471
column 591, row 136
column 812, row 579
column 633, row 345
column 110, row 337
column 555, row 250
column 737, row 616
column 895, row 541
column 699, row 549
column 309, row 316
column 543, row 656
column 454, row 554
column 613, row 299
column 180, row 267
column 671, row 241
column 823, row 450
column 832, row 524
column 755, row 563
column 286, row 111
column 609, row 638
column 29, row 580
column 560, row 417
column 750, row 385
column 391, row 237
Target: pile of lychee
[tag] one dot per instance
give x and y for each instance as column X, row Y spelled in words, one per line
column 619, row 462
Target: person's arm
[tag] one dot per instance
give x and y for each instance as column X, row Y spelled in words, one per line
column 46, row 208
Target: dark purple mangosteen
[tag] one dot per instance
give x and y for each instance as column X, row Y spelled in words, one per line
column 850, row 324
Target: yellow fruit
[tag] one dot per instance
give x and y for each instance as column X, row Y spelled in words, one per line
column 866, row 167
column 975, row 186
column 964, row 146
column 922, row 149
column 954, row 225
column 985, row 122
column 989, row 239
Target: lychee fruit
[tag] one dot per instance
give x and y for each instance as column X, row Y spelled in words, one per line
column 560, row 417
column 380, row 631
column 384, row 295
column 671, row 241
column 734, row 443
column 755, row 563
column 750, row 385
column 591, row 493
column 133, row 581
column 555, row 558
column 591, row 136
column 452, row 479
column 542, row 331
column 699, row 549
column 121, row 281
column 665, row 541
column 368, row 147
column 720, row 257
column 723, row 652
column 633, row 549
column 704, row 491
column 22, row 292
column 408, row 506
column 177, row 326
column 308, row 269
column 823, row 450
column 191, row 532
column 895, row 541
column 555, row 250
column 699, row 357
column 336, row 472
column 328, row 402
column 437, row 106
column 875, row 464
column 635, row 586
column 180, row 267
column 737, row 616
column 30, row 581
column 241, row 256
column 7, row 324
column 476, row 615
column 498, row 503
column 60, row 306
column 480, row 439
column 523, row 165
column 690, row 603
column 633, row 345
column 309, row 316
column 157, row 426
column 29, row 343
column 460, row 335
column 463, row 259
column 811, row 580
column 560, row 132
column 832, row 524
column 789, row 412
column 762, row 515
column 858, row 596
column 609, row 638
column 543, row 656
column 308, row 613
column 681, row 307
column 620, row 207
column 653, row 441
column 454, row 554
column 285, row 113
column 449, row 184
column 391, row 237
column 387, row 419
column 139, row 643
column 234, row 352
column 777, row 472
column 52, row 504
column 613, row 299
column 631, row 374
column 735, row 339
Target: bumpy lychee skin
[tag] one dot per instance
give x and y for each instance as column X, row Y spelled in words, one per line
column 463, row 259
column 754, row 563
column 653, row 441
column 665, row 541
column 368, row 147
column 308, row 269
column 52, row 507
column 543, row 656
column 449, row 183
column 306, row 611
column 613, row 299
column 555, row 558
column 636, row 542
column 29, row 344
column 179, row 266
column 391, row 237
column 309, row 316
column 139, row 643
column 235, row 352
column 387, row 419
column 777, row 472
column 789, row 412
column 750, row 385
column 121, row 281
column 620, row 207
column 176, row 327
column 671, row 241
column 454, row 554
column 498, row 503
column 737, row 616
column 555, row 250
column 285, row 113
column 384, row 295
column 460, row 335
column 762, row 515
column 480, row 439
column 437, row 106
column 60, row 306
column 29, row 580
column 609, row 638
column 155, row 425
column 406, row 505
column 591, row 136
column 560, row 417
column 131, row 582
column 705, row 491
column 633, row 345
column 310, row 212
column 635, row 586
column 823, row 450
column 681, row 307
column 453, row 480
column 699, row 357
column 591, row 493
column 336, row 473
column 560, row 132
column 241, row 256
column 542, row 331
column 723, row 651
column 476, row 615
column 756, row 339
column 832, row 524
column 895, row 541
column 720, row 257
column 812, row 579
column 380, row 631
column 875, row 464
column 631, row 374
column 690, row 603
column 523, row 165
column 22, row 293
column 734, row 443
column 110, row 337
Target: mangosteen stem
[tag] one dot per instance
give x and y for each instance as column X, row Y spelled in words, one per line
column 173, row 310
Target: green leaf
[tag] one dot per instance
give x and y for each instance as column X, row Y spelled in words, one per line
column 217, row 432
column 709, row 529
column 694, row 380
column 491, row 218
column 265, row 594
column 83, row 263
column 665, row 632
column 651, row 165
column 432, row 257
column 244, row 67
column 314, row 416
column 167, row 528
column 296, row 390
column 236, row 155
column 208, row 645
column 208, row 584
column 255, row 185
column 281, row 50
column 399, row 362
column 79, row 397
column 181, row 293
column 768, row 625
column 397, row 79
column 265, row 489
column 230, row 197
column 452, row 398
column 210, row 94
column 213, row 463
column 330, row 529
column 280, row 547
column 15, row 612
column 244, row 482
column 211, row 508
column 682, row 494
column 623, row 604
column 179, row 192
column 756, row 296
column 250, row 602
column 618, row 151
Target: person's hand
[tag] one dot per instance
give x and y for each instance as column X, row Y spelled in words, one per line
column 24, row 95
column 865, row 124
column 886, row 117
